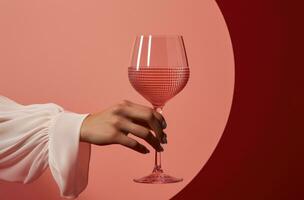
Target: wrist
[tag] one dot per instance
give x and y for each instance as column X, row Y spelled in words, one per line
column 83, row 129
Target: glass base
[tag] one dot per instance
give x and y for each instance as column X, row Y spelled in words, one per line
column 158, row 177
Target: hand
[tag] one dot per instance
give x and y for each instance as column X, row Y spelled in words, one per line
column 113, row 125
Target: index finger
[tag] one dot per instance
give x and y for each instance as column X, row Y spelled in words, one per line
column 157, row 114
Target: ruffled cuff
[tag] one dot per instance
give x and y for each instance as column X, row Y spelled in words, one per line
column 68, row 157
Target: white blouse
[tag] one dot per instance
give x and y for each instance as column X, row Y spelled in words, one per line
column 35, row 136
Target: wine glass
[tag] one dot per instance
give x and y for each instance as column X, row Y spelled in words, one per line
column 158, row 71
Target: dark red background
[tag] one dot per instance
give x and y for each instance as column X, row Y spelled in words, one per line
column 260, row 154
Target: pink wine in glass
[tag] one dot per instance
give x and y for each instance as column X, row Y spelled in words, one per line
column 158, row 70
column 158, row 84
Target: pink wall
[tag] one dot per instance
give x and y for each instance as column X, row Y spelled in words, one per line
column 76, row 53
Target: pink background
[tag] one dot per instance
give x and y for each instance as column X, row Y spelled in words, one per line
column 76, row 53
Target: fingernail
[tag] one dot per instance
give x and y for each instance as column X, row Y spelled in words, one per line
column 160, row 148
column 147, row 151
column 164, row 124
column 164, row 138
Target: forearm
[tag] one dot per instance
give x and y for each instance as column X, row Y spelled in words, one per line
column 40, row 135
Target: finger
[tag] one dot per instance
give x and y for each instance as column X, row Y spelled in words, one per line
column 164, row 139
column 158, row 115
column 143, row 133
column 141, row 123
column 147, row 116
column 132, row 144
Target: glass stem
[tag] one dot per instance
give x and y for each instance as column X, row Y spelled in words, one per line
column 157, row 162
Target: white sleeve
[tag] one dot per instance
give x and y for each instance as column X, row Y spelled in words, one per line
column 35, row 136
